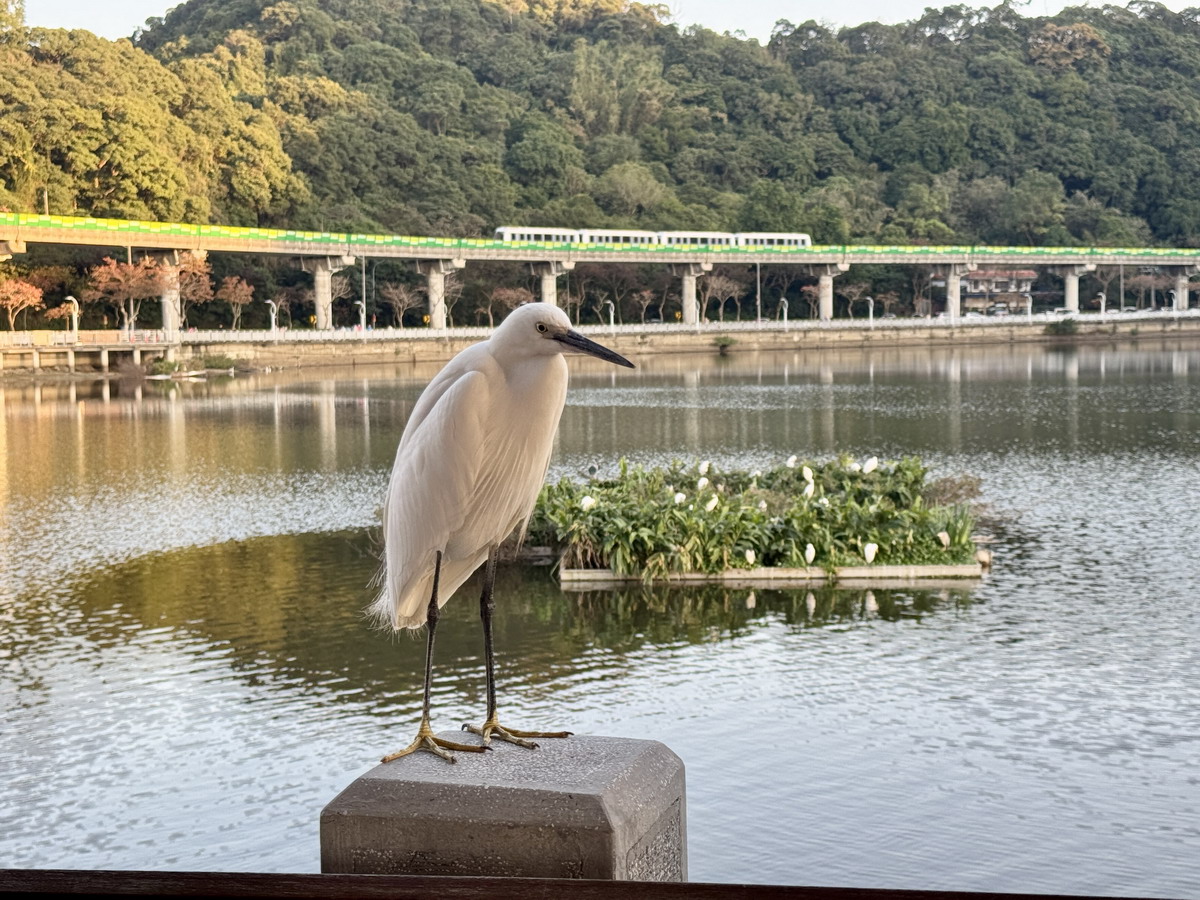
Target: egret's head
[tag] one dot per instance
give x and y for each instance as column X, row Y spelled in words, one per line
column 541, row 328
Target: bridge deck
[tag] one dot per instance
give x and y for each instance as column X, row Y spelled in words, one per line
column 19, row 228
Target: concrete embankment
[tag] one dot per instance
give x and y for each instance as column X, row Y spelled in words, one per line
column 40, row 357
column 267, row 354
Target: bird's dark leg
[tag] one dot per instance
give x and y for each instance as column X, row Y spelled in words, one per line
column 492, row 727
column 426, row 740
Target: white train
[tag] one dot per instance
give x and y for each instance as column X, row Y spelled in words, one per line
column 626, row 237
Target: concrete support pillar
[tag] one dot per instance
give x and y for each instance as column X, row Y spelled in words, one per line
column 825, row 275
column 172, row 304
column 953, row 274
column 137, row 355
column 1182, row 273
column 435, row 272
column 103, row 360
column 323, row 269
column 688, row 273
column 70, row 360
column 584, row 807
column 36, row 359
column 549, row 272
column 1070, row 276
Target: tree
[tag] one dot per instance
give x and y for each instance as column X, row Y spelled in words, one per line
column 125, row 286
column 854, row 293
column 451, row 293
column 401, row 298
column 644, row 300
column 506, row 298
column 12, row 18
column 339, row 289
column 237, row 292
column 629, row 189
column 721, row 287
column 59, row 312
column 17, row 296
column 811, row 294
column 195, row 282
column 890, row 301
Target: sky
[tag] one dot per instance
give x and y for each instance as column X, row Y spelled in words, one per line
column 119, row 18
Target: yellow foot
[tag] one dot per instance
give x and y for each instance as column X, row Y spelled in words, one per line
column 493, row 729
column 426, row 740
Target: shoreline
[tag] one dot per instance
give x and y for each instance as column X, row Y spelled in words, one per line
column 270, row 355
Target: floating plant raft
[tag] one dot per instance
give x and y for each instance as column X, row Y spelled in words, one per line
column 798, row 523
column 781, row 577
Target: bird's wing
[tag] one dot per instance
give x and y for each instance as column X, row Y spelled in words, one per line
column 429, row 497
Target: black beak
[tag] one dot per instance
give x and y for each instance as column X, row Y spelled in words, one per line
column 580, row 344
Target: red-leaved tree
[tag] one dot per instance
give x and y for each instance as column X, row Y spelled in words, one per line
column 16, row 296
column 237, row 292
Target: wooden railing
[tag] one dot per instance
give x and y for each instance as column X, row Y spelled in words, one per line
column 405, row 887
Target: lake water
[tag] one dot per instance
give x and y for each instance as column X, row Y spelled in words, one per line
column 186, row 677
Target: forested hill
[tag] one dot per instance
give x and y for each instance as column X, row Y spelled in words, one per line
column 453, row 116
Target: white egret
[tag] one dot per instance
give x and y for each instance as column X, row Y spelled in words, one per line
column 470, row 463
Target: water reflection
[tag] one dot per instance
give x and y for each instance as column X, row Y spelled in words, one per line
column 187, row 676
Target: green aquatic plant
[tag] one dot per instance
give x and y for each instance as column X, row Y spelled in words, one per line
column 697, row 518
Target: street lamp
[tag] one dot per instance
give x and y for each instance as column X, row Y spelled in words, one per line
column 274, row 307
column 871, row 311
column 611, row 314
column 1103, row 304
column 74, row 319
column 783, row 311
column 362, row 314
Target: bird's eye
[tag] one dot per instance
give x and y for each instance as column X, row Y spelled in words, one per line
column 541, row 326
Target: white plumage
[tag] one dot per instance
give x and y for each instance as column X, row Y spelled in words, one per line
column 472, row 460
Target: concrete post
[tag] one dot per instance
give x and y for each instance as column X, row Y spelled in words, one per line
column 435, row 271
column 549, row 272
column 323, row 269
column 825, row 275
column 103, row 360
column 1070, row 276
column 583, row 807
column 688, row 273
column 70, row 360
